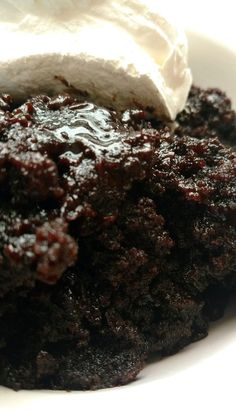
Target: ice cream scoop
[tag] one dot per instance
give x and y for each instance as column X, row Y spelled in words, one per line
column 122, row 54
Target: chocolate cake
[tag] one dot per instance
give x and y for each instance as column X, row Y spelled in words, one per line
column 117, row 236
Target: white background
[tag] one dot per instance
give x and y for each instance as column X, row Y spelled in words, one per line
column 214, row 17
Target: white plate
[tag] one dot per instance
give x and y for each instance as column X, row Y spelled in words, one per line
column 195, row 383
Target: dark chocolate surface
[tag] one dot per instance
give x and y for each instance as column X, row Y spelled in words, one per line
column 117, row 237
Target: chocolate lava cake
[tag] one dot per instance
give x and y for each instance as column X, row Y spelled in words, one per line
column 117, row 236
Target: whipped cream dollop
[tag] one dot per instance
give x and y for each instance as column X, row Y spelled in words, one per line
column 122, row 53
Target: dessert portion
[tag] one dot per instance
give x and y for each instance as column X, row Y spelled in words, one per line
column 118, row 198
column 208, row 113
column 117, row 238
column 123, row 54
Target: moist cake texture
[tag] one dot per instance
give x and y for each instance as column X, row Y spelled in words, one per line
column 117, row 236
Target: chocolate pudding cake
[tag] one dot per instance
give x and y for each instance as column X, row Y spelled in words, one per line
column 117, row 236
